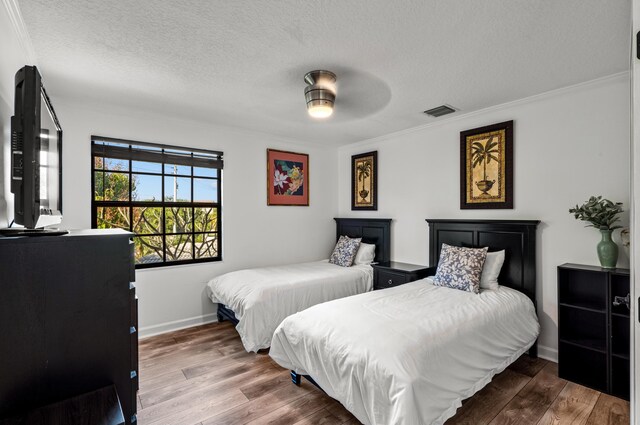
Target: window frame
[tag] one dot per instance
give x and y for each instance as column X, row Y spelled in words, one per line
column 211, row 157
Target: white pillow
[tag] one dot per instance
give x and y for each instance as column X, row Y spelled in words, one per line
column 366, row 253
column 491, row 270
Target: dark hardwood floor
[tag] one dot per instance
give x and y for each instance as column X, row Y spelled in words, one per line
column 203, row 376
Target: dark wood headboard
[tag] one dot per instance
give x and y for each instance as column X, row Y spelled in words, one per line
column 516, row 237
column 372, row 230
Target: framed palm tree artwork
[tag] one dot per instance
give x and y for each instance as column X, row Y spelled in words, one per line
column 486, row 167
column 364, row 181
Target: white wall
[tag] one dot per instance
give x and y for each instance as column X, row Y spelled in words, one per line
column 568, row 145
column 253, row 233
column 13, row 57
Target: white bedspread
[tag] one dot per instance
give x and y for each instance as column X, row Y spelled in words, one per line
column 261, row 298
column 409, row 354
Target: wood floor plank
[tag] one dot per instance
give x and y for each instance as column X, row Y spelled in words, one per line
column 227, row 385
column 149, row 382
column 233, row 349
column 489, row 401
column 202, row 345
column 292, row 412
column 528, row 366
column 211, row 366
column 279, row 396
column 208, row 366
column 610, row 410
column 216, row 380
column 572, row 406
column 252, row 390
column 352, row 421
column 321, row 417
column 168, row 356
column 156, row 342
column 173, row 358
column 205, row 330
column 528, row 406
column 212, row 340
column 339, row 411
column 200, row 329
column 182, row 361
column 191, row 408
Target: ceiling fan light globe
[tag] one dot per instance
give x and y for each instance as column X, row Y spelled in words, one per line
column 320, row 110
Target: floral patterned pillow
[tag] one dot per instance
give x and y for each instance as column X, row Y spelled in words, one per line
column 345, row 251
column 460, row 268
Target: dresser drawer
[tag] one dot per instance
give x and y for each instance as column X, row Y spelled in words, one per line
column 132, row 261
column 387, row 279
column 133, row 306
column 135, row 381
column 133, row 328
column 133, row 334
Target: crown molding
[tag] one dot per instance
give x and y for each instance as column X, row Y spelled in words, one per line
column 544, row 95
column 20, row 29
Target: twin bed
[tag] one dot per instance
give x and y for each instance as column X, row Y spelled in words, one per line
column 411, row 354
column 403, row 355
column 258, row 300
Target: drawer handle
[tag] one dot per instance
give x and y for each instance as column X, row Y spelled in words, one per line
column 132, row 329
column 390, row 282
column 133, row 374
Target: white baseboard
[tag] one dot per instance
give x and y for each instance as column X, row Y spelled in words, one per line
column 548, row 353
column 161, row 328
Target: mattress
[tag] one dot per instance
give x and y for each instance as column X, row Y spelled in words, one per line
column 409, row 354
column 261, row 298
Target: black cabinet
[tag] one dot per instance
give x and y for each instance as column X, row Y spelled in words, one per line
column 68, row 319
column 97, row 407
column 594, row 327
column 393, row 273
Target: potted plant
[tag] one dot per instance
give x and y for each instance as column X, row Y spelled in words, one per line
column 602, row 214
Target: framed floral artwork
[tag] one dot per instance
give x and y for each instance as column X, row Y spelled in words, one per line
column 486, row 167
column 364, row 181
column 287, row 178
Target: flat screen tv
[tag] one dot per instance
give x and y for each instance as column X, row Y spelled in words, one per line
column 36, row 154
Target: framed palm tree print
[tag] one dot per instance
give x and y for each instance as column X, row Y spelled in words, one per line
column 287, row 178
column 486, row 167
column 364, row 181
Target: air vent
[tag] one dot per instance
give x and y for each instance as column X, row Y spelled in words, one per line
column 440, row 111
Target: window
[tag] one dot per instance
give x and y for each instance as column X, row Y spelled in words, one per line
column 168, row 196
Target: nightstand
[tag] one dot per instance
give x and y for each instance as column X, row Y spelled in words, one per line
column 387, row 275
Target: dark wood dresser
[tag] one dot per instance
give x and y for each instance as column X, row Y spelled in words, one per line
column 68, row 319
column 393, row 273
column 594, row 328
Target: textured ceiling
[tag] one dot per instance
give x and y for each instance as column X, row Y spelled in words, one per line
column 241, row 62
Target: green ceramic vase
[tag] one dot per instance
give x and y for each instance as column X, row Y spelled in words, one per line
column 607, row 250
